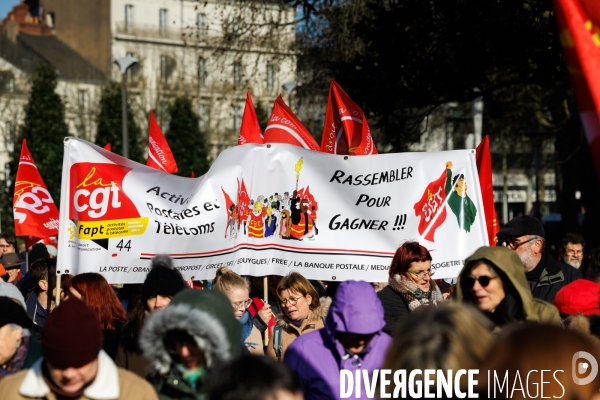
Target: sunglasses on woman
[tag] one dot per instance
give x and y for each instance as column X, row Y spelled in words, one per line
column 483, row 280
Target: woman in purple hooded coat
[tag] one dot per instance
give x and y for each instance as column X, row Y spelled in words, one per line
column 352, row 339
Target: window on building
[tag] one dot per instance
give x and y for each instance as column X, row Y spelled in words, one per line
column 163, row 21
column 10, row 84
column 82, row 99
column 167, row 67
column 163, row 115
column 270, row 77
column 237, row 117
column 9, row 137
column 129, row 18
column 202, row 71
column 163, row 68
column 234, row 26
column 237, row 73
column 7, row 175
column 51, row 20
column 202, row 117
column 202, row 26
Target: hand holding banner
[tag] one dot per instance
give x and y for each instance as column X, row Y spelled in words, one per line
column 34, row 211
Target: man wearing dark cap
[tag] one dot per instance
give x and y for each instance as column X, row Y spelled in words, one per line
column 545, row 275
column 73, row 364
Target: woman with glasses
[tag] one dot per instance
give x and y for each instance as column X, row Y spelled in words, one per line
column 410, row 284
column 302, row 309
column 237, row 290
column 494, row 281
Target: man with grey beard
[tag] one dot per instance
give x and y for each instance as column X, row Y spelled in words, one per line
column 545, row 275
column 571, row 249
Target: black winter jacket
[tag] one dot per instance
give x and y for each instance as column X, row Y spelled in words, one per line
column 394, row 308
column 556, row 274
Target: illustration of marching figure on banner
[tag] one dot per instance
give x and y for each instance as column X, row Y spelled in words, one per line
column 431, row 209
column 275, row 215
column 458, row 200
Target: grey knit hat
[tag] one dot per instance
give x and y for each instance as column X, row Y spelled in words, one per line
column 11, row 291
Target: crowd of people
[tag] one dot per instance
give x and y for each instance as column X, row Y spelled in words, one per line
column 513, row 308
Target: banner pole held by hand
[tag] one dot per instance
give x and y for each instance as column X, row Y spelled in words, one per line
column 266, row 300
column 57, row 298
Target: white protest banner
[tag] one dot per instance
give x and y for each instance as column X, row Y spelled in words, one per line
column 268, row 209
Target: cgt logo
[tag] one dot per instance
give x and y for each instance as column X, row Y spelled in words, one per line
column 97, row 191
column 32, row 196
column 582, row 367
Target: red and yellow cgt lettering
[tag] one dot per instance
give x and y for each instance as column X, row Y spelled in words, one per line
column 97, row 193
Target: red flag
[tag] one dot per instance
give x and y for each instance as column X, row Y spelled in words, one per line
column 431, row 208
column 228, row 202
column 243, row 199
column 228, row 207
column 193, row 174
column 250, row 129
column 285, row 127
column 306, row 194
column 579, row 22
column 333, row 140
column 34, row 211
column 341, row 110
column 107, row 147
column 159, row 153
column 484, row 166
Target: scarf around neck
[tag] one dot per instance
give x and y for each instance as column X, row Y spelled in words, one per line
column 247, row 324
column 413, row 294
column 16, row 362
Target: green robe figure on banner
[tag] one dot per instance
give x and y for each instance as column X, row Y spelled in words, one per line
column 458, row 200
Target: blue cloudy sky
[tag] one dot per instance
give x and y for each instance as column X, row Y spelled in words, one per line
column 6, row 6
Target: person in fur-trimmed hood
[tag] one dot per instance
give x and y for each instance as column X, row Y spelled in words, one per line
column 186, row 340
column 303, row 311
column 410, row 285
column 493, row 280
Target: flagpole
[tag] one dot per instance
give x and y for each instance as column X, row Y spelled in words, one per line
column 266, row 300
column 124, row 63
column 57, row 297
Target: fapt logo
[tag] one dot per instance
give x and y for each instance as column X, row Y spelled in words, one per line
column 97, row 193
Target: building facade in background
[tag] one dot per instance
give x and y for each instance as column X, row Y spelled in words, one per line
column 26, row 41
column 211, row 51
column 454, row 126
